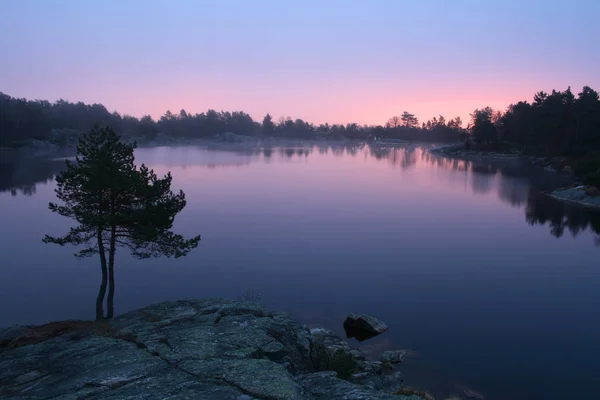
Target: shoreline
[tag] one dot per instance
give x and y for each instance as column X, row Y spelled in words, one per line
column 577, row 193
column 208, row 348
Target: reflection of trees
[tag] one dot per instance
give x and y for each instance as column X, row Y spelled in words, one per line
column 224, row 165
column 22, row 176
column 403, row 157
column 513, row 191
column 288, row 153
column 337, row 151
column 303, row 152
column 519, row 184
column 482, row 178
column 323, row 150
column 559, row 216
column 446, row 163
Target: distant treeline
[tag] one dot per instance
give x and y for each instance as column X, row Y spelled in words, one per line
column 22, row 120
column 555, row 124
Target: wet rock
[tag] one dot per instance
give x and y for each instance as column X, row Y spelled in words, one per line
column 592, row 191
column 395, row 356
column 263, row 379
column 415, row 392
column 363, row 327
column 213, row 349
column 472, row 393
column 331, row 341
column 387, row 368
column 388, row 383
column 374, row 366
column 9, row 334
column 326, row 385
column 588, row 196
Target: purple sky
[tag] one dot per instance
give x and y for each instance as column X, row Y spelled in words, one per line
column 326, row 60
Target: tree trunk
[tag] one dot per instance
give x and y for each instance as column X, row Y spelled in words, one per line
column 577, row 135
column 111, row 274
column 102, row 291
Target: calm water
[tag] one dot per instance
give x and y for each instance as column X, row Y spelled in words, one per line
column 493, row 286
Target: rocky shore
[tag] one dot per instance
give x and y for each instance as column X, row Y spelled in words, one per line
column 588, row 196
column 577, row 193
column 458, row 150
column 191, row 349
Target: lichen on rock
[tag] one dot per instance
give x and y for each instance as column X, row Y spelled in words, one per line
column 190, row 349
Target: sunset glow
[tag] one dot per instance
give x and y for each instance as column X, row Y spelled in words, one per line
column 334, row 61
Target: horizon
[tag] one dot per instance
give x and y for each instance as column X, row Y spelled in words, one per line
column 340, row 62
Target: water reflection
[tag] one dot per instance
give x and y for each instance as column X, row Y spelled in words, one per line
column 20, row 177
column 514, row 183
column 519, row 184
column 403, row 157
column 542, row 210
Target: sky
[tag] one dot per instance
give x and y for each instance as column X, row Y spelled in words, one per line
column 325, row 60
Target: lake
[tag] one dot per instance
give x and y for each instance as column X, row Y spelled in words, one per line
column 492, row 285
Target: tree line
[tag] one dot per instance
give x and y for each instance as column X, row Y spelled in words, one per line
column 555, row 124
column 23, row 120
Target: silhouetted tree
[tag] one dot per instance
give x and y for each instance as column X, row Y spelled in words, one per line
column 268, row 127
column 483, row 128
column 394, row 122
column 553, row 124
column 409, row 120
column 117, row 204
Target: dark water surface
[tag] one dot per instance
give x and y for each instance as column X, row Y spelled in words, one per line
column 493, row 286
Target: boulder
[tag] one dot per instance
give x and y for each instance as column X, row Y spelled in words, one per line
column 394, row 357
column 363, row 327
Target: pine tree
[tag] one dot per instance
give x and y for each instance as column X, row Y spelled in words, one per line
column 117, row 204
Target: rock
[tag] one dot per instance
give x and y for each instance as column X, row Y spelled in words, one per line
column 331, row 341
column 394, row 357
column 415, row 392
column 326, row 385
column 363, row 327
column 583, row 195
column 9, row 334
column 262, row 379
column 375, row 366
column 472, row 394
column 568, row 169
column 592, row 191
column 387, row 368
column 205, row 349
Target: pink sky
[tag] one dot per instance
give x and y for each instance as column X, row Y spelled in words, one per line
column 334, row 61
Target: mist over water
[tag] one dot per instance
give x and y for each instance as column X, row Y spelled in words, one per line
column 491, row 284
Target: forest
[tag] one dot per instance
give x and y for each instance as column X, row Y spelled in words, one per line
column 558, row 123
column 22, row 120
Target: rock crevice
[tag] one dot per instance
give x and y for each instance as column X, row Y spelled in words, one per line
column 197, row 349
